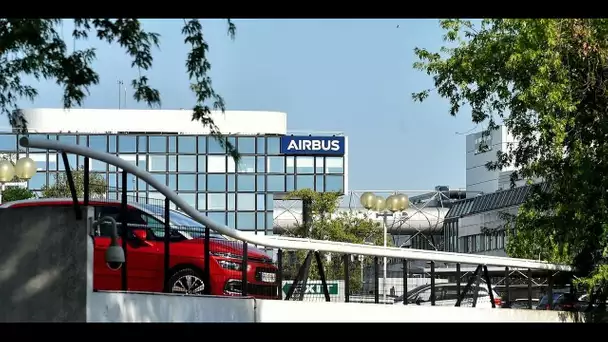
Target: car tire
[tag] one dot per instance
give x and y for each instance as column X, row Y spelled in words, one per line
column 187, row 281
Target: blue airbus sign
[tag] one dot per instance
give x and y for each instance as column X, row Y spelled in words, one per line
column 306, row 145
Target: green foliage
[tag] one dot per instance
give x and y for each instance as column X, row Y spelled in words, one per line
column 61, row 188
column 546, row 79
column 328, row 224
column 14, row 193
column 36, row 48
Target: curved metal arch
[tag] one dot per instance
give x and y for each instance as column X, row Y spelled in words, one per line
column 286, row 242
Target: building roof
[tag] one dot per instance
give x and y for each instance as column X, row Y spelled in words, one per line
column 487, row 202
column 79, row 120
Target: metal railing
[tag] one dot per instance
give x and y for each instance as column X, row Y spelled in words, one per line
column 300, row 268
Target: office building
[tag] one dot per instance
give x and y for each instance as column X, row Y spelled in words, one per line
column 183, row 155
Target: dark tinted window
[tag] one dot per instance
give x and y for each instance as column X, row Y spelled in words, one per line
column 134, row 217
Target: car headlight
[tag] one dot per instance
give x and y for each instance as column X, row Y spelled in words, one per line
column 229, row 265
column 227, row 255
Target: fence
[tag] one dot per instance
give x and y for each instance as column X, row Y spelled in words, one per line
column 169, row 251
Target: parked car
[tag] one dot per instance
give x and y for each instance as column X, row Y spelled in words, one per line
column 446, row 294
column 520, row 303
column 561, row 302
column 145, row 253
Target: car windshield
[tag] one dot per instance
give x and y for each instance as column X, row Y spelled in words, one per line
column 545, row 299
column 181, row 222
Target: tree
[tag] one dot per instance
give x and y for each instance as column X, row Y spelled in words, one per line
column 61, row 188
column 547, row 80
column 35, row 47
column 15, row 193
column 330, row 224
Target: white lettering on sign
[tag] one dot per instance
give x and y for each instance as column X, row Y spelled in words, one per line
column 314, row 145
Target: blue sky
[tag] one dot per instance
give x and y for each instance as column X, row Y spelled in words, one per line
column 353, row 76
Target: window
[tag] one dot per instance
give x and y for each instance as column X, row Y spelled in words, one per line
column 305, row 164
column 319, row 183
column 423, row 296
column 260, row 202
column 245, row 221
column 261, row 164
column 216, row 164
column 202, row 163
column 246, row 145
column 70, row 139
column 261, row 183
column 260, row 221
column 246, row 183
column 40, row 159
column 247, row 164
column 334, row 183
column 142, row 144
column 37, row 181
column 214, row 146
column 158, row 144
column 189, row 198
column 334, row 165
column 245, row 201
column 202, row 145
column 290, row 183
column 275, row 183
column 127, row 143
column 112, row 144
column 186, row 182
column 172, row 144
column 172, row 181
column 276, row 164
column 305, row 182
column 319, row 165
column 186, row 144
column 216, row 183
column 201, row 202
column 273, row 145
column 172, row 163
column 157, row 163
column 261, row 142
column 217, row 217
column 231, row 205
column 231, row 186
column 290, row 164
column 98, row 143
column 134, row 217
column 186, row 163
column 216, row 201
column 202, row 182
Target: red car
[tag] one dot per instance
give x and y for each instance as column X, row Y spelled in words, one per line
column 145, row 254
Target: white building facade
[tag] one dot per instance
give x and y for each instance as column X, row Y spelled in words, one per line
column 182, row 154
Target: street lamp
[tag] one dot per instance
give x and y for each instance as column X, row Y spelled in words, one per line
column 24, row 169
column 384, row 208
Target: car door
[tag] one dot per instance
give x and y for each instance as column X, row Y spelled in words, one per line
column 144, row 260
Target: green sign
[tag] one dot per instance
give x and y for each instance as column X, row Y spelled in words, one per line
column 314, row 287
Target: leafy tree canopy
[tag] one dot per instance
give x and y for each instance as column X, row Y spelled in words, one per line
column 14, row 193
column 330, row 224
column 35, row 47
column 61, row 188
column 546, row 80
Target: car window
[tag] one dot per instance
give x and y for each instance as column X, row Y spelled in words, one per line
column 424, row 296
column 133, row 218
column 450, row 292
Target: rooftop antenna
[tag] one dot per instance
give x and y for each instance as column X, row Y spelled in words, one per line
column 122, row 90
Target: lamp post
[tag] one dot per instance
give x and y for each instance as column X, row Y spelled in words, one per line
column 24, row 169
column 384, row 208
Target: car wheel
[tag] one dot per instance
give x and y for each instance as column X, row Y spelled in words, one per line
column 187, row 281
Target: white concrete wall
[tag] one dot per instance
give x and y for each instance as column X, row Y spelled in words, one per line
column 149, row 120
column 284, row 311
column 145, row 307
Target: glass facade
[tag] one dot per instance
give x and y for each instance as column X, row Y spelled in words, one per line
column 197, row 168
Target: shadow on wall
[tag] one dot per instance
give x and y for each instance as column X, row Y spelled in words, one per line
column 583, row 317
column 42, row 265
